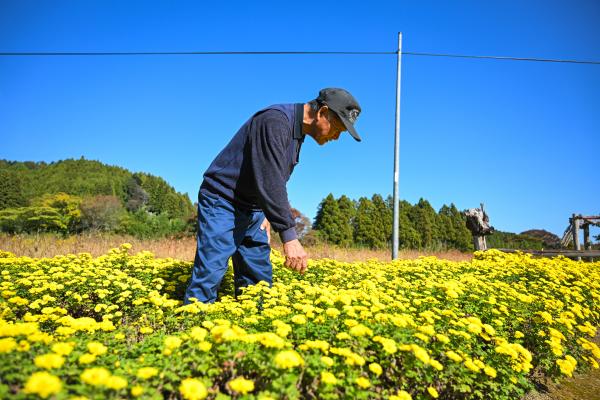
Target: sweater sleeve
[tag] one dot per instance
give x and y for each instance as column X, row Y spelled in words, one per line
column 269, row 143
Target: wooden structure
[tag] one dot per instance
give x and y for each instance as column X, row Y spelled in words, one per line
column 478, row 223
column 571, row 234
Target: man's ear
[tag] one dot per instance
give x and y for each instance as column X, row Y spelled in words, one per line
column 323, row 111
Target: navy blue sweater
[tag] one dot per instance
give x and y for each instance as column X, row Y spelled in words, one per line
column 252, row 170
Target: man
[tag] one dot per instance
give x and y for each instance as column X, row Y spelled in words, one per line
column 244, row 192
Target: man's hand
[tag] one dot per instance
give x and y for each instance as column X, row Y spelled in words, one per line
column 266, row 225
column 295, row 256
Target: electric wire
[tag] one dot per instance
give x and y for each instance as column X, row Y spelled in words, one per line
column 368, row 53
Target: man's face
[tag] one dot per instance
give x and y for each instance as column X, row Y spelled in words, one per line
column 328, row 126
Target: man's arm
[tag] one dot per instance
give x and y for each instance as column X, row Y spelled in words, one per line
column 269, row 145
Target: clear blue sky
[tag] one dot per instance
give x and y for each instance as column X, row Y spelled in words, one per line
column 521, row 137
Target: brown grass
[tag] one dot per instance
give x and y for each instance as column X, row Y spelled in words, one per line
column 46, row 245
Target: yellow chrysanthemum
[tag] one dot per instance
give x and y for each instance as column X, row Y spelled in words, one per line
column 241, row 385
column 192, row 389
column 328, row 378
column 43, row 384
column 95, row 376
column 288, row 359
column 147, row 372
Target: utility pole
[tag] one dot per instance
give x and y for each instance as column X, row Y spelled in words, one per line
column 396, row 225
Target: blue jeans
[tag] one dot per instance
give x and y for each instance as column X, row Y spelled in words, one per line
column 227, row 231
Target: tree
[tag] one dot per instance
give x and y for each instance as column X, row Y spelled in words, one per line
column 11, row 190
column 302, row 223
column 136, row 195
column 66, row 206
column 383, row 219
column 408, row 237
column 101, row 213
column 364, row 224
column 327, row 221
column 423, row 217
column 347, row 214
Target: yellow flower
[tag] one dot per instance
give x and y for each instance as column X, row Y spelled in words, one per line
column 192, row 389
column 205, row 346
column 116, row 382
column 567, row 366
column 147, row 372
column 299, row 319
column 49, row 361
column 471, row 365
column 401, row 395
column 453, row 356
column 137, row 390
column 436, row 364
column 363, row 382
column 241, row 385
column 96, row 348
column 23, row 346
column 489, row 371
column 288, row 359
column 87, row 358
column 146, row 329
column 64, row 349
column 7, row 345
column 43, row 384
column 328, row 378
column 95, row 376
column 172, row 342
column 375, row 368
column 198, row 333
column 360, row 330
column 327, row 361
column 421, row 354
column 434, row 393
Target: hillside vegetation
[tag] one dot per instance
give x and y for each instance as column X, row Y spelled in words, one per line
column 76, row 195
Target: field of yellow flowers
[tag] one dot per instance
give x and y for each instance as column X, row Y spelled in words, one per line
column 114, row 326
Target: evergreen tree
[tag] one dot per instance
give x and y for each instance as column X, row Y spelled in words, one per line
column 365, row 231
column 328, row 221
column 408, row 237
column 347, row 214
column 462, row 236
column 11, row 190
column 382, row 223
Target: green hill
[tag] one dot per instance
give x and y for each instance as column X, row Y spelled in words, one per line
column 94, row 190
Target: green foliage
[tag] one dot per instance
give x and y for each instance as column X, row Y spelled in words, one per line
column 368, row 223
column 162, row 198
column 508, row 240
column 72, row 195
column 86, row 178
column 101, row 213
column 49, row 213
column 329, row 222
column 11, row 190
column 144, row 225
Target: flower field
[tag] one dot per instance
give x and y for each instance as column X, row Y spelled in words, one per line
column 114, row 326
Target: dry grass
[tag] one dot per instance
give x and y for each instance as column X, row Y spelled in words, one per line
column 46, row 245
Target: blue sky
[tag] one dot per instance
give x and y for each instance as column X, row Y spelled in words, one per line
column 521, row 137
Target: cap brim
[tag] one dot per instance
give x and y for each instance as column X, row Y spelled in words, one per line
column 349, row 128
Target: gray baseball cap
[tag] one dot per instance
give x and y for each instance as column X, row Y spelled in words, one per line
column 344, row 105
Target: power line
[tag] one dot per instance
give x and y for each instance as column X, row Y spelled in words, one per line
column 368, row 53
column 193, row 53
column 505, row 58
